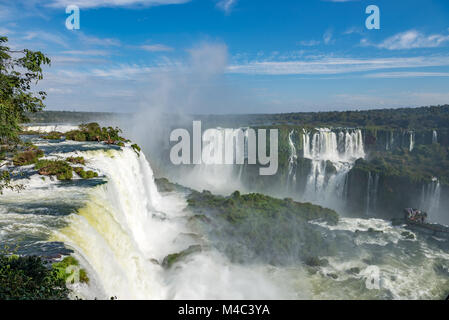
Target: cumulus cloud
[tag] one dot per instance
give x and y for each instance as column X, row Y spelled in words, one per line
column 411, row 39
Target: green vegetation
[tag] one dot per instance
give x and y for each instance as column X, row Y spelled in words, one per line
column 419, row 165
column 85, row 174
column 164, row 185
column 71, row 116
column 171, row 259
column 261, row 227
column 61, row 169
column 93, row 132
column 54, row 135
column 406, row 118
column 237, row 207
column 76, row 160
column 28, row 278
column 29, row 156
column 19, row 70
column 61, row 270
column 136, row 148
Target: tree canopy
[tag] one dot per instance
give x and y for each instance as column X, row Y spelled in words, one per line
column 19, row 72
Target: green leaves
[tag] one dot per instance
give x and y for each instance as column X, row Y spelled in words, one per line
column 27, row 278
column 19, row 71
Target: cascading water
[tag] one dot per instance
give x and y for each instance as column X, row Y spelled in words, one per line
column 434, row 136
column 412, row 141
column 430, row 198
column 371, row 195
column 292, row 162
column 127, row 228
column 332, row 156
column 218, row 178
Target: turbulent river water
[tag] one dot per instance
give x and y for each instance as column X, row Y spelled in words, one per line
column 120, row 228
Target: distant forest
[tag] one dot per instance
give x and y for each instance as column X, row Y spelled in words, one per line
column 406, row 118
column 74, row 117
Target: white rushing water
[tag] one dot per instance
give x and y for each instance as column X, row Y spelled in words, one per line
column 50, row 128
column 430, row 198
column 412, row 141
column 127, row 228
column 324, row 147
column 292, row 163
column 434, row 136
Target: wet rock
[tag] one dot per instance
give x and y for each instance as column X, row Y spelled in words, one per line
column 316, row 262
column 176, row 257
column 408, row 235
column 332, row 275
column 354, row 270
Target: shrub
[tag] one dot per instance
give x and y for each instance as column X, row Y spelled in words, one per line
column 27, row 278
column 136, row 148
column 61, row 169
column 93, row 132
column 76, row 135
column 85, row 174
column 76, row 160
column 29, row 156
column 61, row 270
column 54, row 135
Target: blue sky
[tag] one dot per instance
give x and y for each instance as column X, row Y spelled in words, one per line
column 236, row 56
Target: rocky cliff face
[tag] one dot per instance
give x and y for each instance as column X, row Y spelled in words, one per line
column 354, row 171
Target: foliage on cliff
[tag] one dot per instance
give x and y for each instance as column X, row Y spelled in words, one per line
column 420, row 165
column 273, row 230
column 28, row 278
column 63, row 270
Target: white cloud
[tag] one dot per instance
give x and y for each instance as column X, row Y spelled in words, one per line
column 309, row 43
column 327, row 37
column 45, row 36
column 58, row 60
column 407, row 74
column 86, row 52
column 156, row 48
column 332, row 65
column 226, row 5
column 411, row 39
column 112, row 3
column 5, row 32
column 92, row 40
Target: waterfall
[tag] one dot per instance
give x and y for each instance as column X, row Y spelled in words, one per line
column 219, row 178
column 434, row 136
column 412, row 141
column 371, row 194
column 292, row 162
column 117, row 232
column 332, row 156
column 390, row 141
column 430, row 197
